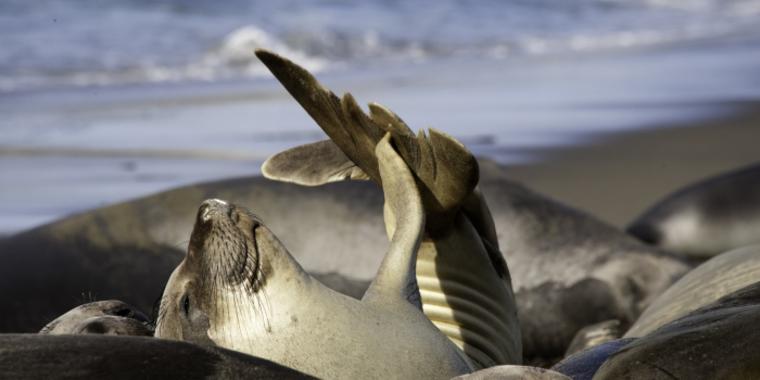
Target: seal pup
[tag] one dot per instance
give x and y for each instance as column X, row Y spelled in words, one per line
column 32, row 356
column 717, row 341
column 239, row 288
column 109, row 317
column 705, row 218
column 715, row 278
column 464, row 281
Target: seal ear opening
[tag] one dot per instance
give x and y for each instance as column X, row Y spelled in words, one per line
column 405, row 221
column 312, row 165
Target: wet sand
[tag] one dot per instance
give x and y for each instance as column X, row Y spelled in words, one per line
column 617, row 177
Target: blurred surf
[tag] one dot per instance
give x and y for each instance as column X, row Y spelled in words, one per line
column 53, row 43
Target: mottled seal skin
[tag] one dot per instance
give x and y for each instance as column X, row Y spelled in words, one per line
column 32, row 356
column 110, row 317
column 717, row 341
column 464, row 282
column 706, row 218
column 583, row 365
column 594, row 335
column 513, row 372
column 715, row 278
column 238, row 287
column 569, row 269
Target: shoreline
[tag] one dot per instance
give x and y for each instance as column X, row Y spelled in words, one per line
column 616, row 177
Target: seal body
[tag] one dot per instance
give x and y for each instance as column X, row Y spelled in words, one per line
column 706, row 218
column 716, row 341
column 30, row 356
column 239, row 288
column 715, row 278
column 582, row 365
column 565, row 257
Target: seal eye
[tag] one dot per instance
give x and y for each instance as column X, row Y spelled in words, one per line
column 186, row 305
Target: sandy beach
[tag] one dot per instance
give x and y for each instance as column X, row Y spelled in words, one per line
column 617, row 177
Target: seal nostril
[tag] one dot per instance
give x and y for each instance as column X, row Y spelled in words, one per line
column 203, row 212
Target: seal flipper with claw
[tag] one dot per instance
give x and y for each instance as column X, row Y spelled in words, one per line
column 464, row 282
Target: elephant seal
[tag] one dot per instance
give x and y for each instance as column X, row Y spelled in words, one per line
column 32, row 356
column 715, row 278
column 573, row 270
column 239, row 288
column 706, row 218
column 717, row 341
column 110, row 317
column 464, row 281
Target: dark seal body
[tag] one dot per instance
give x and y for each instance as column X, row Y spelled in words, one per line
column 29, row 356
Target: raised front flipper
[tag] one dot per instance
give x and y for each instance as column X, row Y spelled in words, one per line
column 312, row 165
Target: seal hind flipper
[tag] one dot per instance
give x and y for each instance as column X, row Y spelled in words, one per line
column 405, row 223
column 312, row 165
column 435, row 158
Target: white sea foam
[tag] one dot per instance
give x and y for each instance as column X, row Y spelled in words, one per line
column 135, row 42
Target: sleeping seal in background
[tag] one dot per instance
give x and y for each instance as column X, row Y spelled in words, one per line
column 706, row 218
column 34, row 357
column 110, row 317
column 238, row 287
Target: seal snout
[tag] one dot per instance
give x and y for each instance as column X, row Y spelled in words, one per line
column 210, row 207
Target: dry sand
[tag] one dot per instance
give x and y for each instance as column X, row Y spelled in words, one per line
column 617, row 177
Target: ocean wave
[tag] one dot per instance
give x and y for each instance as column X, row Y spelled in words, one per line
column 233, row 57
column 136, row 41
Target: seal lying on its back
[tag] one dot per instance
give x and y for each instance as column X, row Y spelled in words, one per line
column 239, row 288
column 110, row 317
column 32, row 356
column 706, row 218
